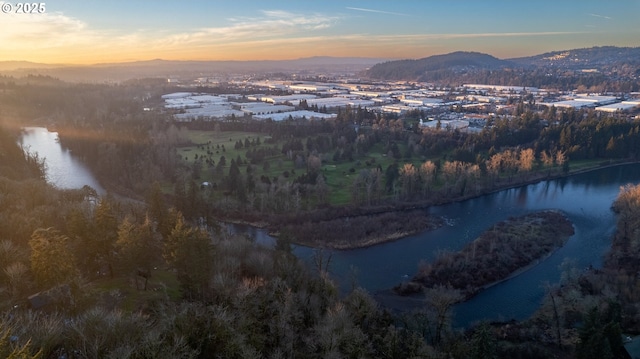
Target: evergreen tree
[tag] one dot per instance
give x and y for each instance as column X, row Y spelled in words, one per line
column 190, row 252
column 600, row 336
column 52, row 261
column 158, row 210
column 105, row 234
column 138, row 247
column 483, row 343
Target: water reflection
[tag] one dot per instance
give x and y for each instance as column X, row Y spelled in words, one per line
column 62, row 169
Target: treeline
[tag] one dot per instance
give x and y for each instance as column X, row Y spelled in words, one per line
column 18, row 163
column 127, row 155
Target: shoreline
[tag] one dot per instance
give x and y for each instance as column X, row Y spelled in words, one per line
column 391, row 208
column 404, row 207
column 520, row 244
column 370, row 242
column 389, row 298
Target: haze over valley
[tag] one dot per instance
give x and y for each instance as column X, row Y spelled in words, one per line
column 319, row 179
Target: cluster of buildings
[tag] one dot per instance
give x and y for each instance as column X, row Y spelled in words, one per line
column 325, row 98
column 190, row 106
column 610, row 104
column 461, row 107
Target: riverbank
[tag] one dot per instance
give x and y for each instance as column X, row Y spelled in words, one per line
column 324, row 228
column 359, row 231
column 502, row 184
column 506, row 249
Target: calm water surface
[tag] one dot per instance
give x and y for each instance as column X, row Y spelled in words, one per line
column 62, row 169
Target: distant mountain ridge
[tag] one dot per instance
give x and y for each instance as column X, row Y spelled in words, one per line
column 16, row 65
column 459, row 60
column 592, row 56
column 170, row 68
column 439, row 66
column 453, row 66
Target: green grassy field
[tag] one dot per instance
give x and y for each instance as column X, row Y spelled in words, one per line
column 210, row 140
column 213, row 140
column 339, row 176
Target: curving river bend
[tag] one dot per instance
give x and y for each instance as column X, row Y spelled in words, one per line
column 585, row 198
column 61, row 168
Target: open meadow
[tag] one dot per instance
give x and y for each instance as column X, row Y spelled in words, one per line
column 214, row 145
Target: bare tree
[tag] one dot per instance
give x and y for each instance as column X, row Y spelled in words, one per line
column 526, row 158
column 561, row 157
column 408, row 176
column 439, row 301
column 494, row 165
column 427, row 173
column 547, row 159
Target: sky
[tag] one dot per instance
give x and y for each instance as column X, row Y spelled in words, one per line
column 90, row 31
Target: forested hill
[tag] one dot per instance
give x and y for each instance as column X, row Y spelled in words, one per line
column 610, row 67
column 417, row 69
column 577, row 59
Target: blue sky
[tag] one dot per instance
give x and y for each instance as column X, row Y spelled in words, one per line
column 113, row 31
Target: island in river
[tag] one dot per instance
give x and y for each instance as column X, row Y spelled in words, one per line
column 359, row 231
column 500, row 252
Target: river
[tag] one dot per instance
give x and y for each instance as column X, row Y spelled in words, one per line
column 586, row 199
column 61, row 168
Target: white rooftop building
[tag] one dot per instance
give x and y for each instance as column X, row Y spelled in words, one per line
column 294, row 99
column 502, row 88
column 295, row 115
column 209, row 112
column 583, row 100
column 257, row 108
column 619, row 107
column 308, row 88
column 445, row 124
column 421, row 101
column 176, row 95
column 330, row 102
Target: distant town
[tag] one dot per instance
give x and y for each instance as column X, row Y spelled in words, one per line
column 465, row 107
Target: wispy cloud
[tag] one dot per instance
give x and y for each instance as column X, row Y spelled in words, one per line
column 447, row 36
column 52, row 34
column 377, row 11
column 56, row 37
column 351, row 41
column 49, row 29
column 273, row 23
column 600, row 16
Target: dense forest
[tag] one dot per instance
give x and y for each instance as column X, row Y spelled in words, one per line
column 152, row 275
